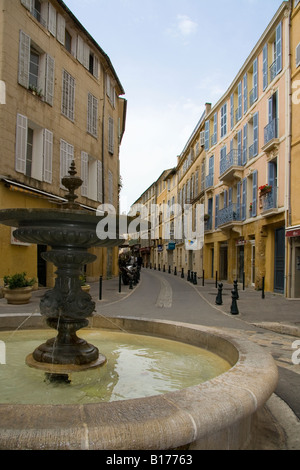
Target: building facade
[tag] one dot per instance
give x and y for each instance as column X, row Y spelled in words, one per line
column 241, row 164
column 61, row 100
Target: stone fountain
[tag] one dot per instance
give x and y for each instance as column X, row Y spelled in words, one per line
column 218, row 414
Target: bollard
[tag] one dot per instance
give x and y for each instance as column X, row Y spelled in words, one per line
column 182, row 273
column 100, row 288
column 192, row 276
column 235, row 287
column 169, row 271
column 175, row 271
column 120, row 283
column 150, row 265
column 219, row 300
column 195, row 282
column 155, row 267
column 164, row 268
column 243, row 281
column 216, row 278
column 188, row 276
column 203, row 278
column 159, row 267
column 263, row 288
column 234, row 308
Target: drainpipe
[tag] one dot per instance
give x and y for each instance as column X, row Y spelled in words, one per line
column 289, row 208
column 103, row 134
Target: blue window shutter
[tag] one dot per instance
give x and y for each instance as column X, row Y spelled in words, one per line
column 239, row 139
column 229, row 196
column 279, row 48
column 271, row 175
column 255, row 80
column 244, row 198
column 215, row 128
column 225, row 197
column 265, row 66
column 245, row 93
column 217, row 211
column 240, row 100
column 238, row 200
column 232, row 111
column 207, row 136
column 254, row 196
column 245, row 144
column 255, row 134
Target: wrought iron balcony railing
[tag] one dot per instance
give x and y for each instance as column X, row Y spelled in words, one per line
column 229, row 214
column 271, row 131
column 269, row 200
column 233, row 158
column 209, row 181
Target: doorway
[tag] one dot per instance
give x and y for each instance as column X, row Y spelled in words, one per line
column 279, row 260
column 223, row 262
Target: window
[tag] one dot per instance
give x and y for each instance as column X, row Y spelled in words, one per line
column 272, row 57
column 224, row 120
column 298, row 55
column 66, row 157
column 68, row 41
column 253, row 136
column 253, row 77
column 92, row 117
column 110, row 135
column 34, row 148
column 245, row 84
column 36, row 69
column 254, row 194
column 87, row 58
column 68, row 96
column 91, row 174
column 38, row 10
column 110, row 91
column 271, row 130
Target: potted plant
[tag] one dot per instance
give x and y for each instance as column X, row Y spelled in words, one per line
column 265, row 189
column 84, row 286
column 18, row 288
column 206, row 217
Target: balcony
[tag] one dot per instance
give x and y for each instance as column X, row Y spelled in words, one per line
column 229, row 216
column 268, row 203
column 271, row 136
column 209, row 181
column 230, row 165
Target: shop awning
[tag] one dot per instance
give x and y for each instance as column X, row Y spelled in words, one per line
column 293, row 232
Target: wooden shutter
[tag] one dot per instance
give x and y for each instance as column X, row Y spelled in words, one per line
column 27, row 4
column 265, row 66
column 232, row 111
column 244, row 198
column 217, row 210
column 49, row 81
column 245, row 144
column 255, row 80
column 206, row 139
column 60, row 29
column 255, row 134
column 279, row 48
column 238, row 201
column 110, row 135
column 240, row 100
column 239, row 140
column 84, row 173
column 48, row 152
column 24, row 59
column 254, row 195
column 245, row 80
column 21, row 143
column 52, row 19
column 99, row 181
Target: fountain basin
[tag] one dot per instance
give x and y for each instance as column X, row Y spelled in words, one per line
column 218, row 414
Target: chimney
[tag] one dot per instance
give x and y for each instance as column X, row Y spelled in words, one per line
column 207, row 108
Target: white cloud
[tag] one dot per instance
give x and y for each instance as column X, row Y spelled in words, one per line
column 184, row 27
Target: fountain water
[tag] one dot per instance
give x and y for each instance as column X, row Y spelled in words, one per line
column 218, row 414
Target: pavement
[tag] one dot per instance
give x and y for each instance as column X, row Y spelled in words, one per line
column 273, row 322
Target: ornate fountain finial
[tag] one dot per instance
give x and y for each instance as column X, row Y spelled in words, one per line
column 72, row 183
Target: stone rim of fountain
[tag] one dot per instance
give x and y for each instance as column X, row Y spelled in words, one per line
column 218, row 414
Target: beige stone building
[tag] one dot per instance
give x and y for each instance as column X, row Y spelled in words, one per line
column 60, row 100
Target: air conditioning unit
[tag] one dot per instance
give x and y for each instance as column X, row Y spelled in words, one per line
column 202, row 138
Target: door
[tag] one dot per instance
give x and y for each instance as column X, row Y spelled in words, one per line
column 279, row 263
column 223, row 262
column 253, row 264
column 240, row 260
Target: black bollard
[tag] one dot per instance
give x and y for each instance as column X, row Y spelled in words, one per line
column 182, row 273
column 234, row 308
column 175, row 271
column 188, row 276
column 150, row 265
column 219, row 300
column 235, row 287
column 159, row 267
column 120, row 283
column 216, row 278
column 100, row 288
column 155, row 267
column 195, row 282
column 169, row 271
column 192, row 276
column 203, row 278
column 164, row 269
column 263, row 288
column 243, row 281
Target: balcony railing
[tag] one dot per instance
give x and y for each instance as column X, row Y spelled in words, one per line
column 233, row 158
column 272, row 71
column 37, row 15
column 229, row 214
column 271, row 131
column 208, row 225
column 209, row 181
column 269, row 200
column 252, row 97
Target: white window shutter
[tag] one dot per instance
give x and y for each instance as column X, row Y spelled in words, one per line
column 111, row 135
column 86, row 55
column 84, row 173
column 99, row 182
column 24, row 59
column 52, row 19
column 96, row 67
column 80, row 49
column 49, row 82
column 27, row 4
column 21, row 143
column 60, row 29
column 298, row 55
column 66, row 157
column 48, row 151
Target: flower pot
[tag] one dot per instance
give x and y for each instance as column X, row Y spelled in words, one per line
column 18, row 296
column 86, row 287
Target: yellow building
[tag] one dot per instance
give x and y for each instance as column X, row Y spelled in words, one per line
column 60, row 100
column 293, row 223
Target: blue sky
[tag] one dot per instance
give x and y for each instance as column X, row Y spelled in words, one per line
column 172, row 57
